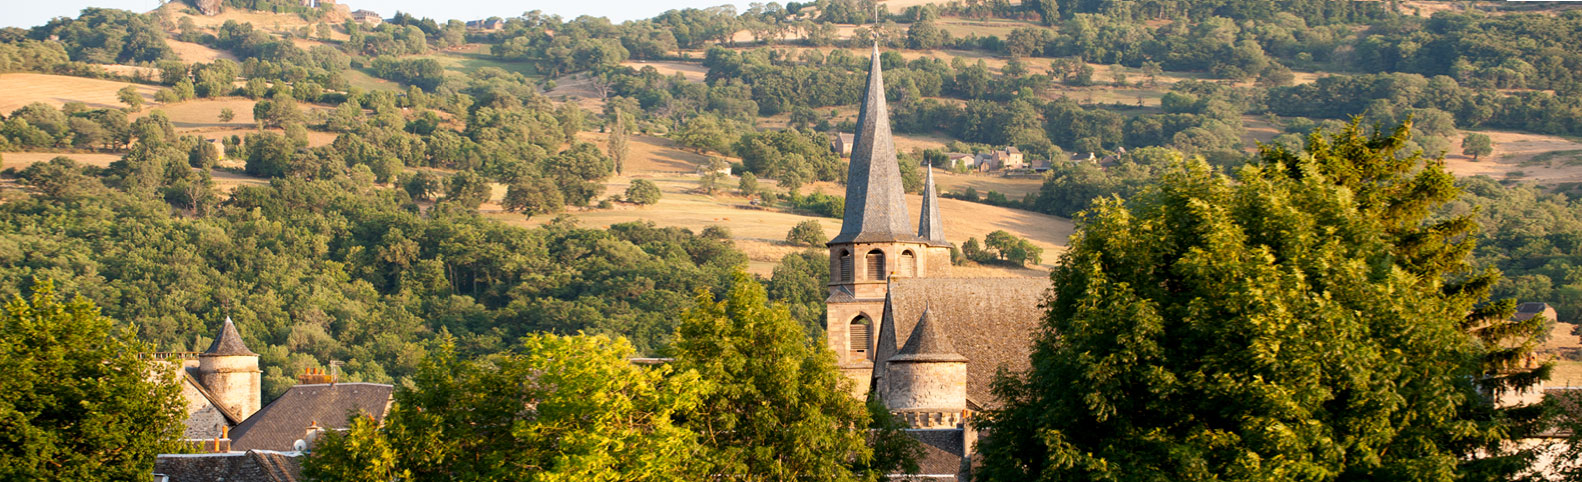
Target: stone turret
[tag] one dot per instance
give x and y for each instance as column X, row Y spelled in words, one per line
column 926, row 383
column 229, row 371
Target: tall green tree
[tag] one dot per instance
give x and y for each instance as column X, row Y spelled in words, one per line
column 77, row 402
column 1309, row 321
column 620, row 140
column 782, row 410
column 563, row 408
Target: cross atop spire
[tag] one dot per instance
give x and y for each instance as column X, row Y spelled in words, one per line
column 875, row 200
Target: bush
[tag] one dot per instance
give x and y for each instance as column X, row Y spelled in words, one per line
column 642, row 191
column 820, row 204
column 715, row 231
column 807, row 233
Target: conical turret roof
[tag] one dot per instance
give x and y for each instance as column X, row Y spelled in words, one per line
column 229, row 343
column 929, row 226
column 927, row 343
column 875, row 200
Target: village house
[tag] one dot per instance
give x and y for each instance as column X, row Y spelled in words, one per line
column 492, row 24
column 367, row 17
column 227, row 419
column 842, row 144
column 901, row 327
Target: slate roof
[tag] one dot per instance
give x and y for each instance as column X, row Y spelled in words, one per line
column 991, row 321
column 228, row 343
column 249, row 466
column 930, row 227
column 875, row 200
column 1526, row 311
column 286, row 419
column 942, row 453
column 927, row 343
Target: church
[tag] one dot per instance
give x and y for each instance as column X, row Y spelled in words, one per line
column 905, row 331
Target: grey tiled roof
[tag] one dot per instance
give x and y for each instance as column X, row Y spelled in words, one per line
column 875, row 200
column 942, row 452
column 930, row 227
column 991, row 321
column 927, row 344
column 228, row 343
column 249, row 466
column 286, row 419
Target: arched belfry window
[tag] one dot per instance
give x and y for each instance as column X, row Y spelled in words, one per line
column 876, row 265
column 845, row 266
column 908, row 266
column 861, row 336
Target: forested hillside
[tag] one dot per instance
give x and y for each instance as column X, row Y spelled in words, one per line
column 337, row 187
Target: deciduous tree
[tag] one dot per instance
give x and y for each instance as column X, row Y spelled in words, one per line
column 78, row 402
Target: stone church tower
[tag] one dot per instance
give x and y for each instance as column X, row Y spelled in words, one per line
column 230, row 372
column 876, row 239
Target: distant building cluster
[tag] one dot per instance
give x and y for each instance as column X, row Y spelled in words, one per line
column 240, row 439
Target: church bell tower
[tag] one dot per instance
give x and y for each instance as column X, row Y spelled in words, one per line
column 876, row 240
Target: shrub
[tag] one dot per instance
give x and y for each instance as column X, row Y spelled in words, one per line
column 807, row 233
column 642, row 191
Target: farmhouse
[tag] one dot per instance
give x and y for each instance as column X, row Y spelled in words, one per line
column 939, row 339
column 367, row 17
column 842, row 144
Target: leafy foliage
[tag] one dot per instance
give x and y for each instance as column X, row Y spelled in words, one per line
column 77, row 401
column 642, row 191
column 807, row 233
column 783, row 411
column 1187, row 320
column 559, row 409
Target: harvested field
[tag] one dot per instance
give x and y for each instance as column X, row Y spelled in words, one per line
column 19, row 89
column 577, row 89
column 1521, row 156
column 653, row 155
column 1013, row 188
column 225, row 181
column 362, row 80
column 193, row 53
column 21, row 160
column 693, row 72
column 205, row 113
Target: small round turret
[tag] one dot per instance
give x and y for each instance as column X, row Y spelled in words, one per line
column 927, row 379
column 229, row 371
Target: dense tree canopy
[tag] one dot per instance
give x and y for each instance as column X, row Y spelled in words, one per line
column 77, row 400
column 555, row 409
column 1297, row 324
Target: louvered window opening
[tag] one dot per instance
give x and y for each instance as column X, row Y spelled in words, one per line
column 876, row 265
column 859, row 338
column 845, row 266
column 908, row 266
